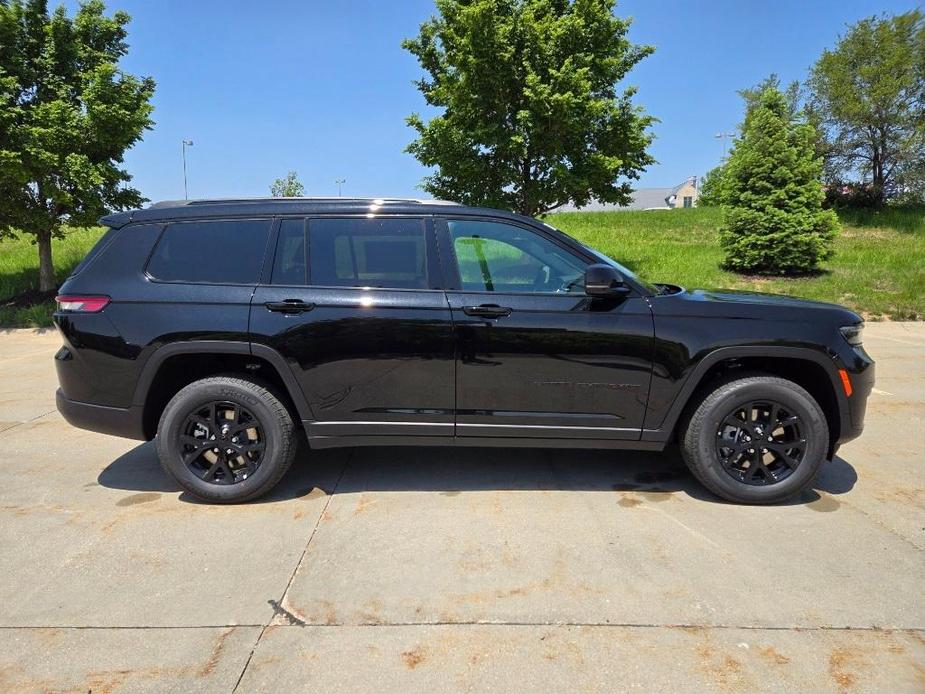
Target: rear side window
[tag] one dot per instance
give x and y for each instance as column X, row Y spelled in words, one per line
column 391, row 253
column 95, row 251
column 213, row 252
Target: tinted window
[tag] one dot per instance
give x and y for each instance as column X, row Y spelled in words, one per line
column 217, row 252
column 96, row 250
column 497, row 257
column 289, row 264
column 368, row 253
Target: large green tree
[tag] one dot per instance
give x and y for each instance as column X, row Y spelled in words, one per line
column 772, row 194
column 531, row 115
column 67, row 116
column 869, row 93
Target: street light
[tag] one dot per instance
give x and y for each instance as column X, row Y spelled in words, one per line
column 183, row 146
column 339, row 182
column 725, row 138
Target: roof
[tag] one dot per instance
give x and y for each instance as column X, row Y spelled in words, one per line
column 242, row 207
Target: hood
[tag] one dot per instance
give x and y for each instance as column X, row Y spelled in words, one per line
column 743, row 304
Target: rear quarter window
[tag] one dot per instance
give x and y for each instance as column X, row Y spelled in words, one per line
column 211, row 252
column 98, row 248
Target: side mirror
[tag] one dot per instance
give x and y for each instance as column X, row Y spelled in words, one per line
column 604, row 281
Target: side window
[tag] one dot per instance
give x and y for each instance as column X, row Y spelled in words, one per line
column 498, row 257
column 213, row 252
column 95, row 251
column 289, row 265
column 390, row 253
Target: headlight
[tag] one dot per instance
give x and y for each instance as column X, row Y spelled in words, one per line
column 852, row 333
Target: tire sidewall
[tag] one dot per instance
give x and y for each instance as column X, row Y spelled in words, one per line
column 814, row 429
column 195, row 396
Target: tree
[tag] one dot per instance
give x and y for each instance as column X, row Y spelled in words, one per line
column 531, row 115
column 869, row 92
column 772, row 193
column 752, row 95
column 67, row 116
column 288, row 187
column 711, row 188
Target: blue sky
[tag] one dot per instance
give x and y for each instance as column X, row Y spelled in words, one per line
column 323, row 87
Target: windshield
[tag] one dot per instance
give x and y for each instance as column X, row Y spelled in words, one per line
column 613, row 263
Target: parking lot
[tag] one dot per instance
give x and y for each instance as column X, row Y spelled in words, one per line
column 402, row 569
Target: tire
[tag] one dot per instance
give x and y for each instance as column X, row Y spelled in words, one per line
column 711, row 437
column 223, row 407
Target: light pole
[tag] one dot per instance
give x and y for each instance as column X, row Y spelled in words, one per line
column 184, row 144
column 725, row 138
column 339, row 182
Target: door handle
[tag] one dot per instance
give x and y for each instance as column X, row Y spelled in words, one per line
column 289, row 306
column 487, row 310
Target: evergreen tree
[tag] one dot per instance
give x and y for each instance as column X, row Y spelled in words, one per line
column 772, row 191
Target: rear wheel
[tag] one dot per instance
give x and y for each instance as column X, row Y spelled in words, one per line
column 225, row 439
column 756, row 440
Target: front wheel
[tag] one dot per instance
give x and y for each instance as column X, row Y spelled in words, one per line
column 225, row 439
column 756, row 440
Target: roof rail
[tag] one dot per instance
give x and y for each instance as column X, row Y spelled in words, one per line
column 347, row 200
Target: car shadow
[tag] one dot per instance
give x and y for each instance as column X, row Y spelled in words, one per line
column 451, row 470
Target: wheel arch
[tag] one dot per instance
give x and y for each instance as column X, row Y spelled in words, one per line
column 812, row 370
column 176, row 365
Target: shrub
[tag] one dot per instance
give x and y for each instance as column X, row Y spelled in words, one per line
column 774, row 222
column 854, row 195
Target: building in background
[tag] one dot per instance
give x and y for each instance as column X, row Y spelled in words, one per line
column 682, row 195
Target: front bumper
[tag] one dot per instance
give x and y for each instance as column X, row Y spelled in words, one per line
column 861, row 372
column 115, row 421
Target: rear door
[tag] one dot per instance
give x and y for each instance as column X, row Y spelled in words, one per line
column 537, row 358
column 356, row 307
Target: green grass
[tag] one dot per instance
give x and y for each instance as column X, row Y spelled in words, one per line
column 19, row 263
column 878, row 268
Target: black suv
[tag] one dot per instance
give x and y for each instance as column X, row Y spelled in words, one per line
column 222, row 327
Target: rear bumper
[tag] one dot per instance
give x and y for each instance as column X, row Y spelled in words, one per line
column 115, row 421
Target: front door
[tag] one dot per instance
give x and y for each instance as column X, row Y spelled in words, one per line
column 538, row 358
column 355, row 305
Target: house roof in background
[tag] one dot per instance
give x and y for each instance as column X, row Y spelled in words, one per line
column 643, row 199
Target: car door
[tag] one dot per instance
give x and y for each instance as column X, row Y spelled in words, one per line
column 355, row 306
column 536, row 357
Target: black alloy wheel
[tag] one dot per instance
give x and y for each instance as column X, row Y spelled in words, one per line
column 222, row 442
column 760, row 443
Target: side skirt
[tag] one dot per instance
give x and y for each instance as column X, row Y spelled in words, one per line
column 318, row 442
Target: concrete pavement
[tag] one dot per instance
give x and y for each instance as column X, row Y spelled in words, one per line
column 415, row 569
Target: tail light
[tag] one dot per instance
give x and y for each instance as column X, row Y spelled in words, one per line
column 82, row 304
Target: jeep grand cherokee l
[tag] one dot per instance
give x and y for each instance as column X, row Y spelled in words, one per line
column 224, row 329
